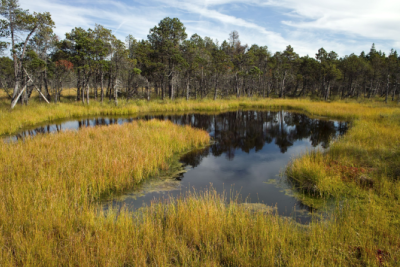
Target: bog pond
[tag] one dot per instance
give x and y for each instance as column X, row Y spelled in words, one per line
column 249, row 151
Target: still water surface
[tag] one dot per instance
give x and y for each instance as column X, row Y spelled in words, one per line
column 249, row 151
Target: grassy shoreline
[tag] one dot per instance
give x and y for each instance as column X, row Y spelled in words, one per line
column 36, row 113
column 49, row 185
column 360, row 170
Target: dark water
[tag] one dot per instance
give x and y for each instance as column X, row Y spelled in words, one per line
column 250, row 150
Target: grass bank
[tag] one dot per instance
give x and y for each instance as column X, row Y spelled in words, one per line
column 362, row 169
column 49, row 185
column 35, row 113
column 47, row 198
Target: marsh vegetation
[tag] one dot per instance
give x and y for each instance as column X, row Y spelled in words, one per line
column 52, row 186
column 249, row 150
column 53, row 221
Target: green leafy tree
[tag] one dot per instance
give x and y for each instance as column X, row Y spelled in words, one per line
column 286, row 62
column 392, row 72
column 203, row 60
column 309, row 73
column 15, row 24
column 261, row 57
column 7, row 75
column 166, row 39
column 80, row 48
column 44, row 43
column 221, row 65
column 238, row 57
column 328, row 70
column 191, row 55
column 102, row 38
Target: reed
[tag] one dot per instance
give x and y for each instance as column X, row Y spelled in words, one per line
column 368, row 152
column 50, row 185
column 362, row 169
column 35, row 113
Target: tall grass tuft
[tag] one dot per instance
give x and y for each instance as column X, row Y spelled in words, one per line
column 49, row 187
column 310, row 173
column 26, row 116
column 49, row 184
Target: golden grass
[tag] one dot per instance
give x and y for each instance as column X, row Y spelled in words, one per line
column 370, row 149
column 49, row 184
column 3, row 94
column 35, row 113
column 49, row 188
column 361, row 168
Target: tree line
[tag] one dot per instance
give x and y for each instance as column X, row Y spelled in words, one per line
column 168, row 64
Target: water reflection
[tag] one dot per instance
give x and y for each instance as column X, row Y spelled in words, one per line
column 232, row 130
column 248, row 130
column 249, row 149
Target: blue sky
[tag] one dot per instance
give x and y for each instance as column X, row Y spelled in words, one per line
column 345, row 26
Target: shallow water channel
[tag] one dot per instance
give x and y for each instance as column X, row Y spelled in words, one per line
column 249, row 151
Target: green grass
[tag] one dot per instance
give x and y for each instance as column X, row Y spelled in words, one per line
column 50, row 186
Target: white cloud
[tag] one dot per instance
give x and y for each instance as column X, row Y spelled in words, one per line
column 123, row 19
column 251, row 32
column 343, row 26
column 366, row 18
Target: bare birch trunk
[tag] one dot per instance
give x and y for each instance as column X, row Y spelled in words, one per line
column 116, row 92
column 387, row 89
column 328, row 88
column 216, row 85
column 148, row 90
column 102, row 86
column 188, row 88
column 87, row 93
column 14, row 102
column 237, row 86
column 83, row 92
column 282, row 85
column 171, row 89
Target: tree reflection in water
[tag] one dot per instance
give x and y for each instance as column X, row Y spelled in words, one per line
column 248, row 130
column 256, row 145
column 245, row 130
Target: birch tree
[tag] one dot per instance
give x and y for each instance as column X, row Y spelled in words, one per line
column 19, row 26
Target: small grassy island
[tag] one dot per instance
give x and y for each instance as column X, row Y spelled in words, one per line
column 50, row 185
column 164, row 149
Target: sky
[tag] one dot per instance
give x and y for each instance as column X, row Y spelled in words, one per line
column 343, row 26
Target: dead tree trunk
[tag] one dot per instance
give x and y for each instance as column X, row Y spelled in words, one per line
column 116, row 86
column 148, row 89
column 188, row 88
column 87, row 93
column 216, row 86
column 387, row 89
column 102, row 86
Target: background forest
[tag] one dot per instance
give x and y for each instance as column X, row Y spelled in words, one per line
column 169, row 64
column 52, row 186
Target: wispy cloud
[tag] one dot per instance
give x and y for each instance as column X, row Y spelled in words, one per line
column 366, row 18
column 342, row 25
column 122, row 18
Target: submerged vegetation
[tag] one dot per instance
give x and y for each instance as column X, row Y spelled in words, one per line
column 50, row 184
